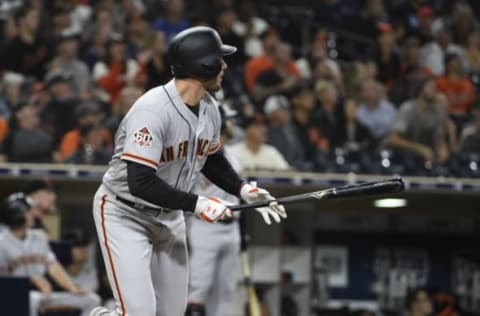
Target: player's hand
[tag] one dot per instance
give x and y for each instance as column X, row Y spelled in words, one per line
column 251, row 194
column 211, row 209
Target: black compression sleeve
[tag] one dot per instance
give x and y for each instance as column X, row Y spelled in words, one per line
column 144, row 183
column 218, row 170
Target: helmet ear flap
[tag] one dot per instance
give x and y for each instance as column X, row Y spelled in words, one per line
column 210, row 67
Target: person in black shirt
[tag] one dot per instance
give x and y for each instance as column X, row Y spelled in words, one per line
column 27, row 53
column 158, row 72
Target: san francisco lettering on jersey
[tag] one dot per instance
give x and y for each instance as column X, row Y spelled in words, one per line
column 180, row 151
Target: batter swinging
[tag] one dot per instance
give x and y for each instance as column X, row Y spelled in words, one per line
column 168, row 137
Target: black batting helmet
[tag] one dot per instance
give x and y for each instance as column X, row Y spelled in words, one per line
column 14, row 209
column 197, row 53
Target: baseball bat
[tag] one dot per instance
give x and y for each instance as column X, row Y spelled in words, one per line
column 362, row 189
column 253, row 302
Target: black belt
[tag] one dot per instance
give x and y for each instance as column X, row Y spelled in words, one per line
column 142, row 207
column 227, row 220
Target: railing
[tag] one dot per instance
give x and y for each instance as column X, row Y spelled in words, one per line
column 94, row 173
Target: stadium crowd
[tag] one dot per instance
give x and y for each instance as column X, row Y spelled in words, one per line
column 365, row 86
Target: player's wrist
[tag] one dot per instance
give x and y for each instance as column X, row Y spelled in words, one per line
column 189, row 202
column 240, row 187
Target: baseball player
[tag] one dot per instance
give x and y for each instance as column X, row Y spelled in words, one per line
column 170, row 135
column 25, row 252
column 214, row 249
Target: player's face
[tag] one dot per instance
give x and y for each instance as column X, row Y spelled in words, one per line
column 215, row 83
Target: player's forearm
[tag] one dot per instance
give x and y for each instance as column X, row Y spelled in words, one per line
column 218, row 170
column 146, row 185
column 58, row 274
column 38, row 281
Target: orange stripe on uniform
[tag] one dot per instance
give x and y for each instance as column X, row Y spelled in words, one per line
column 156, row 164
column 110, row 259
column 215, row 148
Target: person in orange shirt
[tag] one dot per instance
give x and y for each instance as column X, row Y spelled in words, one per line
column 3, row 128
column 118, row 70
column 458, row 89
column 88, row 114
column 259, row 64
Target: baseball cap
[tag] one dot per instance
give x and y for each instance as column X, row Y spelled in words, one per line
column 424, row 12
column 37, row 185
column 274, row 103
column 57, row 77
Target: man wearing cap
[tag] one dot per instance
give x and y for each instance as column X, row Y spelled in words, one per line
column 170, row 135
column 66, row 62
column 25, row 252
column 45, row 198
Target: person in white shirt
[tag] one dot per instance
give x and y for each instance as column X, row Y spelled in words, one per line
column 255, row 154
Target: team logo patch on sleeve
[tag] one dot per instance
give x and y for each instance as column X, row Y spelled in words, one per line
column 143, row 137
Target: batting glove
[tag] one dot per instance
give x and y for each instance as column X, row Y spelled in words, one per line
column 211, row 209
column 250, row 193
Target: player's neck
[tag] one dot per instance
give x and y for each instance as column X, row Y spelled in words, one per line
column 190, row 90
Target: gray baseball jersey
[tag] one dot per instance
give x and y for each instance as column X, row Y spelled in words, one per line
column 161, row 132
column 145, row 252
column 32, row 256
column 25, row 257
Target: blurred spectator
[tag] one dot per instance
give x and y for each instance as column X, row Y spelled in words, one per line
column 354, row 135
column 458, row 89
column 67, row 63
column 374, row 111
column 319, row 55
column 366, row 22
column 250, row 27
column 282, row 133
column 387, row 57
column 59, row 113
column 27, row 53
column 225, row 19
column 305, row 117
column 332, row 117
column 139, row 37
column 420, row 125
column 425, row 16
column 408, row 13
column 324, row 71
column 97, row 34
column 28, row 141
column 254, row 153
column 19, row 244
column 10, row 93
column 279, row 78
column 463, row 22
column 432, row 54
column 412, row 72
column 61, row 23
column 255, row 65
column 43, row 194
column 92, row 150
column 472, row 49
column 411, row 56
column 127, row 97
column 173, row 21
column 88, row 113
column 117, row 70
column 82, row 270
column 157, row 69
column 470, row 135
column 419, row 303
